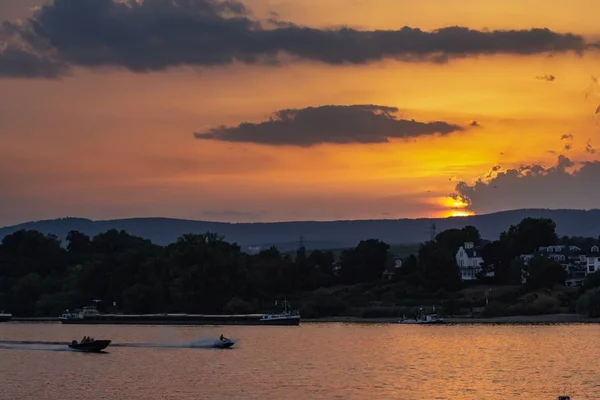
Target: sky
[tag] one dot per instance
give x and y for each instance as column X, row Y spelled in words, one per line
column 279, row 110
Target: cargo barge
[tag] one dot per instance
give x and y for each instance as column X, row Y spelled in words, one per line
column 91, row 316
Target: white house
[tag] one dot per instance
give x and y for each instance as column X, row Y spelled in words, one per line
column 573, row 259
column 469, row 260
column 593, row 260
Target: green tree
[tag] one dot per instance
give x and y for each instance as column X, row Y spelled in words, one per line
column 410, row 265
column 545, row 272
column 592, row 281
column 529, row 235
column 589, row 303
column 452, row 239
column 497, row 259
column 438, row 267
column 366, row 262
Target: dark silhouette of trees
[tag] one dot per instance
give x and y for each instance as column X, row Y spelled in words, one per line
column 453, row 238
column 40, row 276
column 544, row 272
column 437, row 266
column 524, row 238
column 530, row 234
column 366, row 262
column 202, row 273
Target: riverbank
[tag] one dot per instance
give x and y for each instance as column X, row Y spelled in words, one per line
column 35, row 319
column 517, row 319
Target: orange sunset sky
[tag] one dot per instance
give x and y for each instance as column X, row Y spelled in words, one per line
column 98, row 119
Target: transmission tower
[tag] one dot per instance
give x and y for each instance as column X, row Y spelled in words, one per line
column 432, row 232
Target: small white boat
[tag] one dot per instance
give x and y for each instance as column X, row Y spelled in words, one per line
column 5, row 316
column 286, row 317
column 427, row 319
column 423, row 319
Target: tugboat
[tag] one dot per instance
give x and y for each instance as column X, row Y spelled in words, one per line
column 287, row 317
column 4, row 317
column 89, row 345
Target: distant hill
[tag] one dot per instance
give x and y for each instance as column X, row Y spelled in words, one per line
column 324, row 235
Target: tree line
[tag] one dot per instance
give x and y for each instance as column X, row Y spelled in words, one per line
column 203, row 273
column 40, row 276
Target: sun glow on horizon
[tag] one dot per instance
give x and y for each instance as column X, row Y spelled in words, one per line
column 453, row 202
column 461, row 213
column 454, row 206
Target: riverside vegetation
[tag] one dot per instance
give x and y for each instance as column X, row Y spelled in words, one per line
column 202, row 273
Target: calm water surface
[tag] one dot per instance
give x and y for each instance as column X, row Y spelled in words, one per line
column 312, row 361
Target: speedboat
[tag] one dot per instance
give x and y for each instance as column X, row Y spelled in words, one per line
column 223, row 343
column 5, row 316
column 90, row 346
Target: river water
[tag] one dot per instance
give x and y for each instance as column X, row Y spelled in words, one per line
column 312, row 361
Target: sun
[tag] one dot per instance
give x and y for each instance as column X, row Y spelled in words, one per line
column 461, row 213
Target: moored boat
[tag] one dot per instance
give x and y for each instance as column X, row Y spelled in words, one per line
column 423, row 319
column 287, row 317
column 4, row 317
column 427, row 319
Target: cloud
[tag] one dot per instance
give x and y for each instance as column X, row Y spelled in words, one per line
column 20, row 63
column 154, row 35
column 493, row 170
column 548, row 78
column 475, row 124
column 568, row 147
column 564, row 185
column 329, row 124
column 20, row 58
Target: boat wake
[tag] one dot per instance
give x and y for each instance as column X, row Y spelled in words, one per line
column 202, row 343
column 42, row 346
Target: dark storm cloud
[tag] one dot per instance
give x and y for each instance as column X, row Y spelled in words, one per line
column 21, row 58
column 536, row 186
column 20, row 63
column 329, row 124
column 153, row 35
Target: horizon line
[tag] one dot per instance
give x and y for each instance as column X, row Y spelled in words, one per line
column 297, row 221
